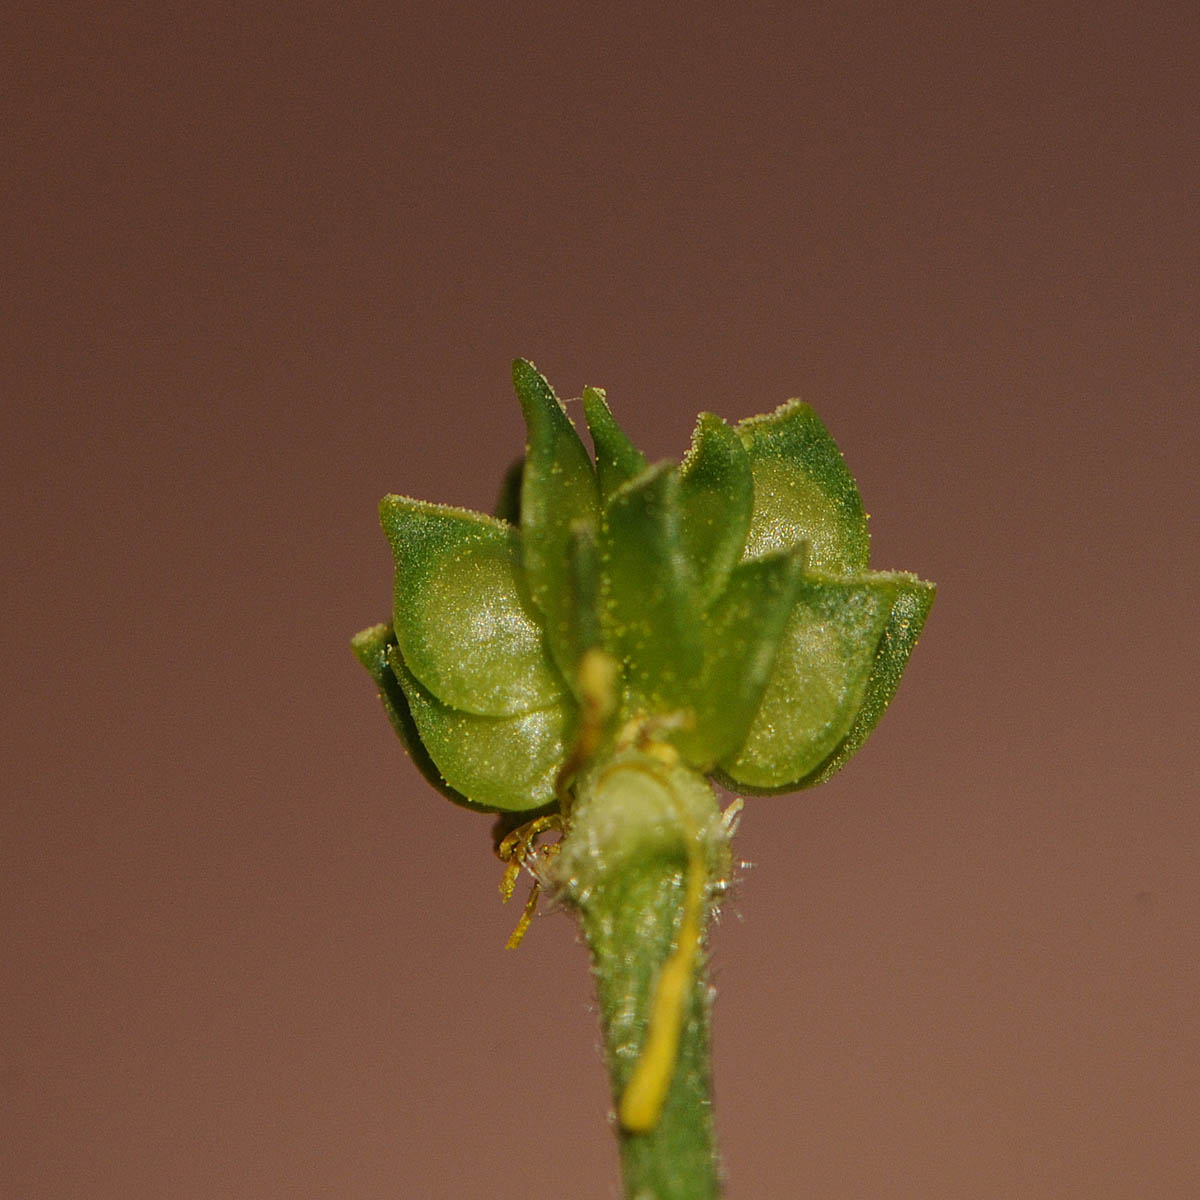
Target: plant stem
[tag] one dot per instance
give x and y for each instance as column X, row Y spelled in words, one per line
column 653, row 854
column 630, row 927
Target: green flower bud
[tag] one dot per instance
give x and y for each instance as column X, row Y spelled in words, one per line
column 731, row 591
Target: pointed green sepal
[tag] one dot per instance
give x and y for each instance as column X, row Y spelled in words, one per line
column 652, row 613
column 724, row 605
column 584, row 579
column 558, row 488
column 743, row 631
column 818, row 683
column 716, row 498
column 803, row 491
column 502, row 764
column 371, row 648
column 618, row 460
column 463, row 618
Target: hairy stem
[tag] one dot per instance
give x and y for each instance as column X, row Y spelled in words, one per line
column 630, row 928
column 645, row 855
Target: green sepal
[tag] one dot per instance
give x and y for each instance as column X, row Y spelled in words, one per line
column 618, row 460
column 743, row 631
column 653, row 618
column 558, row 488
column 803, row 491
column 371, row 648
column 584, row 579
column 502, row 764
column 463, row 619
column 716, row 499
column 914, row 599
column 818, row 684
column 693, row 578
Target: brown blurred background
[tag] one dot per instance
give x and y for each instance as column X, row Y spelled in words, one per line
column 262, row 265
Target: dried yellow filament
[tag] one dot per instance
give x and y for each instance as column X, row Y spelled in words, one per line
column 646, row 1093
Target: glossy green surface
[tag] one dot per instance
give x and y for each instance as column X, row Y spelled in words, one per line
column 464, row 620
column 652, row 612
column 743, row 633
column 507, row 762
column 716, row 502
column 803, row 491
column 558, row 489
column 818, row 683
column 371, row 647
column 731, row 592
column 914, row 599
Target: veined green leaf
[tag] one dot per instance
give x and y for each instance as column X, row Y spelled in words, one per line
column 803, row 491
column 618, row 460
column 742, row 635
column 716, row 498
column 653, row 619
column 558, row 488
column 463, row 619
column 914, row 599
column 371, row 648
column 502, row 764
column 819, row 681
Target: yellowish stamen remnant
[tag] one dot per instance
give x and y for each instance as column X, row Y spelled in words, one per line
column 597, row 686
column 516, row 851
column 523, row 924
column 646, row 1093
column 598, row 674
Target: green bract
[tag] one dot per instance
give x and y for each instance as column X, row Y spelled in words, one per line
column 731, row 591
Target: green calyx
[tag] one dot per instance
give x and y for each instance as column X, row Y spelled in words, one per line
column 731, row 593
